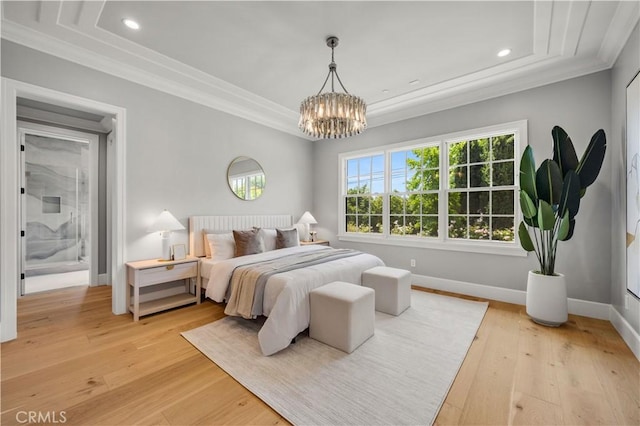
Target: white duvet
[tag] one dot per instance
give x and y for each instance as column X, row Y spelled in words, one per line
column 286, row 295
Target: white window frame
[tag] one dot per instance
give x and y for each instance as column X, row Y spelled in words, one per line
column 442, row 242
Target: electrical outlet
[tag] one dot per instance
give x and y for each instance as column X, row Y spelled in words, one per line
column 413, row 263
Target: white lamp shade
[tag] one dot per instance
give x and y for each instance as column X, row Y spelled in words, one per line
column 307, row 219
column 165, row 222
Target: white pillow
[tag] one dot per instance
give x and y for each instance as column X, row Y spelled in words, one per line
column 207, row 247
column 222, row 246
column 269, row 238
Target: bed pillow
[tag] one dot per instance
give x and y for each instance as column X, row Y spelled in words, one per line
column 221, row 246
column 248, row 242
column 205, row 239
column 287, row 238
column 269, row 238
column 207, row 248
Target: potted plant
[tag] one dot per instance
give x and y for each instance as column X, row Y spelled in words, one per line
column 550, row 200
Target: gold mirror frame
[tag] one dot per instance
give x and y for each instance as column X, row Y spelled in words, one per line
column 246, row 178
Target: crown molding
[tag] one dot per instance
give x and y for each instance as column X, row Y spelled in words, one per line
column 471, row 92
column 180, row 84
column 624, row 21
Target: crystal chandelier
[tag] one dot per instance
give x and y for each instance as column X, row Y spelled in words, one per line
column 332, row 115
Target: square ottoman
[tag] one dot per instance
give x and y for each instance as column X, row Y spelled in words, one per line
column 392, row 287
column 342, row 315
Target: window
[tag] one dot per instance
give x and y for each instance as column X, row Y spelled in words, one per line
column 480, row 189
column 456, row 191
column 413, row 201
column 364, row 190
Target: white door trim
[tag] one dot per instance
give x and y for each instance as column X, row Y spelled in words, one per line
column 9, row 195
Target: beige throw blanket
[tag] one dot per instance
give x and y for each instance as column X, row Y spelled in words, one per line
column 246, row 289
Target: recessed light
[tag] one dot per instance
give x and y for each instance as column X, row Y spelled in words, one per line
column 385, row 90
column 504, row 52
column 131, row 23
column 412, row 82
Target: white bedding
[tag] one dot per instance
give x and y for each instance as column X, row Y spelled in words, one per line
column 286, row 296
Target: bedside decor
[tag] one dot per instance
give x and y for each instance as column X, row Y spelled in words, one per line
column 333, row 115
column 165, row 223
column 179, row 252
column 550, row 199
column 307, row 220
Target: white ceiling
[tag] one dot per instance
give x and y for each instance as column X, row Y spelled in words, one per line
column 258, row 60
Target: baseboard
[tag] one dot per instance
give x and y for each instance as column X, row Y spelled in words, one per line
column 628, row 334
column 583, row 308
column 103, row 279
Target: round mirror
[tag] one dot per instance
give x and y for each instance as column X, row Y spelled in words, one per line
column 246, row 178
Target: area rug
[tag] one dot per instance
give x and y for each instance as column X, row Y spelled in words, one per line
column 400, row 376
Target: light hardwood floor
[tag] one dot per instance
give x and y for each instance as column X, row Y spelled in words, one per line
column 75, row 361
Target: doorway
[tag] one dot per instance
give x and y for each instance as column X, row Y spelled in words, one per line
column 59, row 207
column 10, row 252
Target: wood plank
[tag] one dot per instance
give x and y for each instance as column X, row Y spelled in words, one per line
column 496, row 373
column 535, row 367
column 133, row 401
column 527, row 410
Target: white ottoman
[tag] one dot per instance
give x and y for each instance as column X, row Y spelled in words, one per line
column 342, row 315
column 392, row 287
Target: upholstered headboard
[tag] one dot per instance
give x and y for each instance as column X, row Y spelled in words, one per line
column 227, row 223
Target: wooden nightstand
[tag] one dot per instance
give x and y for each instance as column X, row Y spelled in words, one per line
column 146, row 273
column 316, row 243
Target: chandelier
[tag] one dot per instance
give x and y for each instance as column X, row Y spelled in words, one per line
column 332, row 115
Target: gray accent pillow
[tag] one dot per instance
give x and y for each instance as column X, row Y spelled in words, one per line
column 248, row 242
column 287, row 238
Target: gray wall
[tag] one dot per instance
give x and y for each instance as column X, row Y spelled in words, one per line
column 627, row 65
column 177, row 151
column 581, row 106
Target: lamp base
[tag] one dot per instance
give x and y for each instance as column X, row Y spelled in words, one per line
column 307, row 237
column 166, row 247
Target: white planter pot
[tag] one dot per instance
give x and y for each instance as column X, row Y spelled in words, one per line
column 547, row 299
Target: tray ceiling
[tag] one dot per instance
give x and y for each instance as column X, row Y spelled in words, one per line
column 258, row 60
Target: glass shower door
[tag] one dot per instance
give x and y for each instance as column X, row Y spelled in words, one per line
column 56, row 209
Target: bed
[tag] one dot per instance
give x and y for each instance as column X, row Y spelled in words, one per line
column 284, row 300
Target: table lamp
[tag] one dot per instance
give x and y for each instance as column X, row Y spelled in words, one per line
column 165, row 223
column 307, row 219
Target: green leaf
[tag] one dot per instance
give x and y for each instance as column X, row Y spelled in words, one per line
column 533, row 222
column 591, row 161
column 528, row 174
column 565, row 227
column 525, row 238
column 570, row 198
column 572, row 226
column 526, row 205
column 564, row 154
column 546, row 217
column 549, row 182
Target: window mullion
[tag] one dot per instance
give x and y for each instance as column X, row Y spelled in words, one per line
column 386, row 200
column 443, row 193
